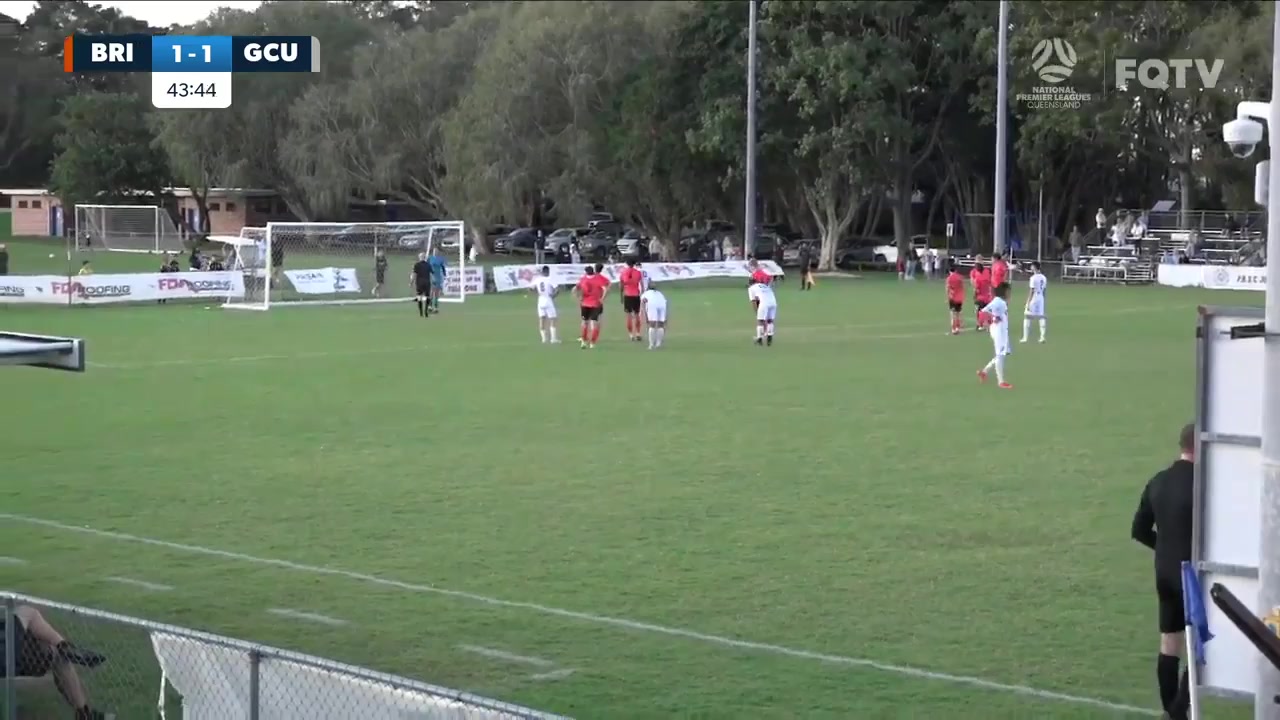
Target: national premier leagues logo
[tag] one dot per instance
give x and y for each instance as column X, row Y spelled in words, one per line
column 1053, row 60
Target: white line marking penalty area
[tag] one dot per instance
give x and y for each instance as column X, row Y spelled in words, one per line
column 634, row 625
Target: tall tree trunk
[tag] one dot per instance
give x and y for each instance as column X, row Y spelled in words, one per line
column 901, row 207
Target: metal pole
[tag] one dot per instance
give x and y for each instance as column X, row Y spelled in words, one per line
column 749, row 222
column 1040, row 224
column 1265, row 705
column 1002, row 131
column 10, row 660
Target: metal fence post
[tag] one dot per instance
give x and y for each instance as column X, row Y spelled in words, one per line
column 10, row 660
column 255, row 664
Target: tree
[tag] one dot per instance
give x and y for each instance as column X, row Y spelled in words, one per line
column 526, row 131
column 260, row 119
column 384, row 128
column 107, row 153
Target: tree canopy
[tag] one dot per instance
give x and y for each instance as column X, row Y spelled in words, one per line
column 875, row 116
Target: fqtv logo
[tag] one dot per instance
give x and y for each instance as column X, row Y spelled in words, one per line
column 1053, row 60
column 1155, row 74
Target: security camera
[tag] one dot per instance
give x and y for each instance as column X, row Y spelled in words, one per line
column 1242, row 136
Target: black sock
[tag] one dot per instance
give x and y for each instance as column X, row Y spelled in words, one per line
column 1181, row 704
column 1168, row 668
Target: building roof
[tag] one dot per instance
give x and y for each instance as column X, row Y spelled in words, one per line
column 175, row 191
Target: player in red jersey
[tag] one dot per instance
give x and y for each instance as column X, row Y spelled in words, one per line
column 980, row 278
column 591, row 299
column 632, row 281
column 603, row 281
column 999, row 270
column 758, row 274
column 955, row 298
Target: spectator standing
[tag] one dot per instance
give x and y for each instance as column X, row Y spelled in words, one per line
column 539, row 248
column 1075, row 240
column 4, row 259
column 85, row 268
column 1101, row 221
column 575, row 253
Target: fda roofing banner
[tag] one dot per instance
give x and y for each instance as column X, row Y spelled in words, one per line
column 105, row 289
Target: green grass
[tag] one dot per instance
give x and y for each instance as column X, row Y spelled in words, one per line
column 851, row 491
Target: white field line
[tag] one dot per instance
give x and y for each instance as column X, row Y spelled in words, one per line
column 552, row 675
column 6, row 560
column 143, row 584
column 833, row 332
column 505, row 656
column 308, row 617
column 634, row 625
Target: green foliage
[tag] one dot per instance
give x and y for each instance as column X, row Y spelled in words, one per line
column 106, row 150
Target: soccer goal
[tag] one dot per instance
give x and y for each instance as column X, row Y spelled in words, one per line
column 348, row 263
column 126, row 228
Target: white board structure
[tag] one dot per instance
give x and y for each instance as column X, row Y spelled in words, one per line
column 45, row 351
column 1228, row 486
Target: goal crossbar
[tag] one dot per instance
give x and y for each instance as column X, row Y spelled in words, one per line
column 126, row 228
column 299, row 264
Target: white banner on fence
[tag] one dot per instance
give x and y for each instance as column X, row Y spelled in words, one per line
column 517, row 277
column 1215, row 277
column 102, row 289
column 474, row 281
column 324, row 281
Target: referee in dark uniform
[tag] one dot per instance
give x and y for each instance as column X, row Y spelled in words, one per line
column 1163, row 523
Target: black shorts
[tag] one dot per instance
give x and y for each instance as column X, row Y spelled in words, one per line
column 979, row 302
column 32, row 659
column 380, row 278
column 422, row 289
column 1169, row 599
column 955, row 306
column 631, row 303
column 590, row 314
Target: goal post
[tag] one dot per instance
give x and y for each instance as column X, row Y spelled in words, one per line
column 302, row 263
column 126, row 228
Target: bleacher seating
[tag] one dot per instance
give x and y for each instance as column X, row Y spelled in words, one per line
column 1219, row 239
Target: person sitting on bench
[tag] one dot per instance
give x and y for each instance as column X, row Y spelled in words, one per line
column 40, row 649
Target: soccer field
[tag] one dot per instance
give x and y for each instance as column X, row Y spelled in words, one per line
column 843, row 525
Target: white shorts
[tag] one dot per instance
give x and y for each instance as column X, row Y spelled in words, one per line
column 1035, row 308
column 656, row 313
column 767, row 311
column 546, row 309
column 1001, row 342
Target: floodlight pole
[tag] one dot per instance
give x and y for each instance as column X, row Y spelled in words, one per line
column 1265, row 705
column 749, row 220
column 1002, row 130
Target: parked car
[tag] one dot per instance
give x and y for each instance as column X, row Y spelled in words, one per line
column 633, row 244
column 597, row 246
column 791, row 253
column 518, row 242
column 562, row 237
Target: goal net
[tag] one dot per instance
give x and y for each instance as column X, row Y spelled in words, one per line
column 126, row 228
column 348, row 263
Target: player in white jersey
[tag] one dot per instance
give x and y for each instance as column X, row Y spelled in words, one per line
column 761, row 295
column 996, row 316
column 546, row 289
column 1035, row 303
column 653, row 306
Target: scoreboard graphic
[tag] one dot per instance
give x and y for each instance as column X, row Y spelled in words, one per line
column 190, row 72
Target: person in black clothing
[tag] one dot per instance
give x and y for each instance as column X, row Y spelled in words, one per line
column 4, row 259
column 379, row 271
column 421, row 277
column 170, row 265
column 1163, row 523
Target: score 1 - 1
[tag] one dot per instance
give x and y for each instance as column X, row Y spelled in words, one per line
column 190, row 72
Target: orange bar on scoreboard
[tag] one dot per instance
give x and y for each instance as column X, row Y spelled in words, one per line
column 68, row 61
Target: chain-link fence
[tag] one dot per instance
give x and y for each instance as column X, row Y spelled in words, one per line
column 66, row 661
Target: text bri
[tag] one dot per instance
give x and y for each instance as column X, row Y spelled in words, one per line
column 111, row 52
